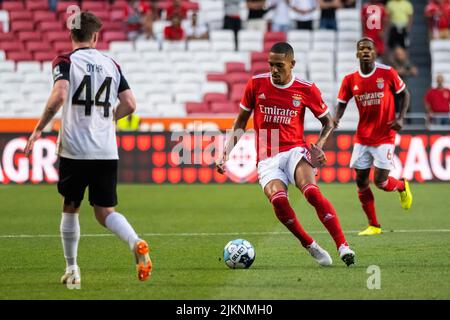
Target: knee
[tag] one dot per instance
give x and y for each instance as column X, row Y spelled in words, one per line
column 311, row 192
column 380, row 182
column 101, row 214
column 279, row 198
column 362, row 183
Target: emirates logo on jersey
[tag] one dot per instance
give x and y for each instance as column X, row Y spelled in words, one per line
column 380, row 83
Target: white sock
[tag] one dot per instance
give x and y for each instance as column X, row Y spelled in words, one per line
column 119, row 225
column 70, row 236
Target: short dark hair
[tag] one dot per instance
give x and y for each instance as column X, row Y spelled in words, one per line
column 364, row 39
column 283, row 48
column 88, row 24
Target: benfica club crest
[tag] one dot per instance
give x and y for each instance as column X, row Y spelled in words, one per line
column 296, row 101
column 241, row 165
column 380, row 83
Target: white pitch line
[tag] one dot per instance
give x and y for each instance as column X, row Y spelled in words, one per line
column 196, row 234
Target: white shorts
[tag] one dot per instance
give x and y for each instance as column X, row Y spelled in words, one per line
column 364, row 157
column 282, row 166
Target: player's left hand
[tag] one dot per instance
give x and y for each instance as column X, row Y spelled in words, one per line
column 30, row 143
column 318, row 158
column 396, row 125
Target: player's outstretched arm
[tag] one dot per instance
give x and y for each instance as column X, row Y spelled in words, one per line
column 318, row 158
column 126, row 106
column 236, row 133
column 54, row 103
column 340, row 109
column 404, row 99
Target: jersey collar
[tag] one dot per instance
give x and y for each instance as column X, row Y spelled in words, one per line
column 369, row 74
column 285, row 86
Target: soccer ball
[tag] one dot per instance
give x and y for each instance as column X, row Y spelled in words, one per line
column 239, row 254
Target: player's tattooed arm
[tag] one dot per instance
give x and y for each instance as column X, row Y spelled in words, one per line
column 404, row 99
column 54, row 103
column 317, row 155
column 232, row 138
column 340, row 109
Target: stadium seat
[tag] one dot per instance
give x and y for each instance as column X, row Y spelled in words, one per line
column 222, row 36
column 181, row 56
column 39, row 16
column 180, row 67
column 204, row 56
column 11, row 46
column 13, row 5
column 28, row 67
column 156, row 98
column 207, row 66
column 259, row 67
column 19, row 56
column 187, row 97
column 94, row 5
column 199, row 45
column 216, row 76
column 214, row 97
column 17, row 26
column 251, row 45
column 113, row 25
column 234, row 67
column 6, row 37
column 2, row 55
column 37, row 5
column 117, row 16
column 174, row 110
column 193, row 77
column 109, row 36
column 237, row 91
column 121, row 46
column 29, row 36
column 45, row 55
column 197, row 107
column 62, row 46
column 147, row 46
column 38, row 46
column 214, row 87
column 52, row 36
column 185, row 87
column 20, row 15
column 224, row 107
column 7, row 66
column 50, row 26
column 237, row 77
column 439, row 45
column 257, row 56
column 169, row 46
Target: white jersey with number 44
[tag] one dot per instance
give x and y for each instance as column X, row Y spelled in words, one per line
column 87, row 123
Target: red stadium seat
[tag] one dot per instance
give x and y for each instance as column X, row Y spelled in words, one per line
column 39, row 16
column 216, row 77
column 44, row 55
column 268, row 45
column 94, row 5
column 234, row 67
column 37, row 4
column 29, row 36
column 260, row 67
column 57, row 36
column 61, row 6
column 13, row 5
column 20, row 16
column 17, row 26
column 117, row 15
column 223, row 107
column 257, row 56
column 190, row 5
column 118, row 5
column 197, row 107
column 275, row 37
column 237, row 91
column 113, row 25
column 5, row 37
column 237, row 77
column 102, row 15
column 62, row 46
column 102, row 46
column 109, row 36
column 214, row 97
column 51, row 26
column 38, row 46
column 19, row 56
column 12, row 46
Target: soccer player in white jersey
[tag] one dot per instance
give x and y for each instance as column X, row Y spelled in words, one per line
column 88, row 84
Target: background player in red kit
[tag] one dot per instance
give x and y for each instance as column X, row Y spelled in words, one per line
column 278, row 100
column 373, row 88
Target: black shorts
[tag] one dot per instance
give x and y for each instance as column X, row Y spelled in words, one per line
column 99, row 175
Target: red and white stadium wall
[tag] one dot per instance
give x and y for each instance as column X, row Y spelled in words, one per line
column 189, row 158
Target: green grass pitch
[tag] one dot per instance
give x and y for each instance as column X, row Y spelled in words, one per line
column 187, row 227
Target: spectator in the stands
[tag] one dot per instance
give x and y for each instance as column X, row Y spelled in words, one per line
column 232, row 19
column 174, row 32
column 139, row 19
column 195, row 29
column 400, row 62
column 51, row 4
column 374, row 20
column 304, row 13
column 437, row 103
column 401, row 18
column 256, row 11
column 281, row 21
column 328, row 13
column 438, row 14
column 176, row 8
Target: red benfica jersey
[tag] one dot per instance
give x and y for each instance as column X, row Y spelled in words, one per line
column 374, row 96
column 279, row 112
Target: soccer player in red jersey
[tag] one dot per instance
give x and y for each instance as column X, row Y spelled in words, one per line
column 278, row 101
column 374, row 88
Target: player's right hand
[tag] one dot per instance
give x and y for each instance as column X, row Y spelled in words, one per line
column 30, row 143
column 220, row 165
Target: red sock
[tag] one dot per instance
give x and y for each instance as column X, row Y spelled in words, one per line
column 392, row 184
column 368, row 205
column 326, row 212
column 287, row 216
